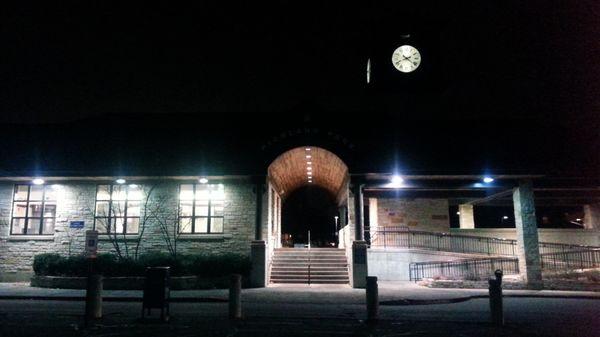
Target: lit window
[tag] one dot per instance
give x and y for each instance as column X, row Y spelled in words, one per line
column 201, row 208
column 34, row 210
column 118, row 209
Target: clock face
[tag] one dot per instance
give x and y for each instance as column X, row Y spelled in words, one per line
column 406, row 58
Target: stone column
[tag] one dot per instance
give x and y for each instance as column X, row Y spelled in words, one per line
column 259, row 207
column 466, row 217
column 591, row 216
column 527, row 235
column 359, row 216
column 258, row 257
column 359, row 264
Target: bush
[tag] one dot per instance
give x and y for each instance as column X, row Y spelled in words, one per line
column 46, row 264
column 109, row 265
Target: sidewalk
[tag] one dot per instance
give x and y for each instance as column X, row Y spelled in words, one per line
column 390, row 293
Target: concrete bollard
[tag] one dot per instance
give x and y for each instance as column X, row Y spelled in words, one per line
column 235, row 297
column 372, row 299
column 496, row 307
column 93, row 297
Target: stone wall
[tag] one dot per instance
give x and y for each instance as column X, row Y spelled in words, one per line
column 76, row 201
column 417, row 214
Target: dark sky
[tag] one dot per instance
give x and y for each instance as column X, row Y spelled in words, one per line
column 506, row 86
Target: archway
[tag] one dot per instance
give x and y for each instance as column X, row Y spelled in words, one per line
column 307, row 188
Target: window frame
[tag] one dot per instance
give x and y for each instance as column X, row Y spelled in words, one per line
column 193, row 217
column 27, row 218
column 110, row 217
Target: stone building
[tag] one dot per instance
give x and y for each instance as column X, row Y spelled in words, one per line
column 216, row 214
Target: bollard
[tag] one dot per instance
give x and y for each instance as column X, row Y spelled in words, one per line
column 235, row 297
column 372, row 299
column 93, row 297
column 497, row 314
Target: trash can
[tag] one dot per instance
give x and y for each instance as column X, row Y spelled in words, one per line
column 156, row 291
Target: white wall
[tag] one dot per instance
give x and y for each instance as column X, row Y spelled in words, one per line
column 393, row 264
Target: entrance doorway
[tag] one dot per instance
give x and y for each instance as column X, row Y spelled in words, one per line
column 310, row 210
column 308, row 189
column 308, row 186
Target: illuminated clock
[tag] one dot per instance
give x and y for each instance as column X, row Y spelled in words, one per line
column 406, row 58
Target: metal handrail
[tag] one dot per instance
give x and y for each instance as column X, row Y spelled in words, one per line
column 471, row 267
column 308, row 257
column 459, row 243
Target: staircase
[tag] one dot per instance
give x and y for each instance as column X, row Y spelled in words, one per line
column 327, row 266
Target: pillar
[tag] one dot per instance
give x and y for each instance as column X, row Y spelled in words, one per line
column 591, row 216
column 343, row 221
column 258, row 258
column 259, row 206
column 527, row 235
column 373, row 214
column 466, row 217
column 359, row 264
column 357, row 190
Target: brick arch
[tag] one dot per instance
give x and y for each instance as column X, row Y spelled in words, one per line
column 288, row 172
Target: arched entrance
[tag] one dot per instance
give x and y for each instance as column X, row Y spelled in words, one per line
column 308, row 191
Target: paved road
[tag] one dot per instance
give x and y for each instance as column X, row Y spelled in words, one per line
column 524, row 316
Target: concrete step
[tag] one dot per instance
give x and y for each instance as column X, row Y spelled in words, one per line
column 312, row 270
column 297, row 259
column 311, row 255
column 305, row 275
column 327, row 266
column 312, row 275
column 312, row 263
column 305, row 281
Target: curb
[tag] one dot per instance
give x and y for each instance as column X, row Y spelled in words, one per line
column 115, row 299
column 407, row 301
column 399, row 302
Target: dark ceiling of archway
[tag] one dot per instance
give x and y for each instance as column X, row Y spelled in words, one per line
column 289, row 171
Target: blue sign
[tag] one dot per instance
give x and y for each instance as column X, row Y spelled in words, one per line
column 77, row 224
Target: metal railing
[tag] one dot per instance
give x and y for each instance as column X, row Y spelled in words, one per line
column 472, row 268
column 564, row 260
column 581, row 259
column 401, row 237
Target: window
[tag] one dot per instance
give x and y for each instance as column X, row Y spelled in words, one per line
column 118, row 209
column 34, row 210
column 201, row 208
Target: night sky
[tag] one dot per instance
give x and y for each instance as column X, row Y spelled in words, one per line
column 108, row 88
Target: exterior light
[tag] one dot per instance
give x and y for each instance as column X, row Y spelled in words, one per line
column 310, row 181
column 457, row 213
column 488, row 180
column 133, row 186
column 577, row 219
column 309, row 163
column 397, row 180
column 203, row 180
column 120, row 181
column 505, row 217
column 38, row 181
column 308, row 149
column 308, row 156
column 309, row 168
